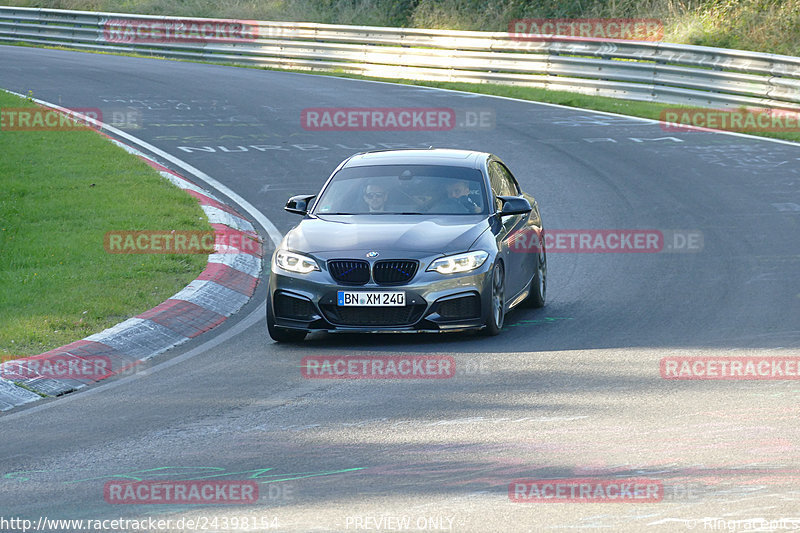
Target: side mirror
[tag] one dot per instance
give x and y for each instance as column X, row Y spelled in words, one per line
column 299, row 204
column 514, row 205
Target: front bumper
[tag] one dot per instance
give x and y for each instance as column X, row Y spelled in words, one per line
column 434, row 303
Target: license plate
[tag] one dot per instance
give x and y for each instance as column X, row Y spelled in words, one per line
column 372, row 299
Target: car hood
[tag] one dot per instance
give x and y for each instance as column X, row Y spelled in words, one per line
column 357, row 233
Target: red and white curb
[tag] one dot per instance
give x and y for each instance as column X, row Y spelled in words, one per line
column 227, row 283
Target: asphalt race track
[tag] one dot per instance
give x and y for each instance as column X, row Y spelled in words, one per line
column 573, row 390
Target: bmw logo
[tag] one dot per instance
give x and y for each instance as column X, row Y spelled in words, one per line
column 372, row 254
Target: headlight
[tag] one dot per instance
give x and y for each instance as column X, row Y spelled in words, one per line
column 295, row 262
column 465, row 262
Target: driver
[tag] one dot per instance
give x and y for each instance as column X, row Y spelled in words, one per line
column 375, row 197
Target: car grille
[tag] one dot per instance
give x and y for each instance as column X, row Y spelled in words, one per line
column 357, row 272
column 393, row 272
column 293, row 308
column 460, row 308
column 373, row 316
column 349, row 271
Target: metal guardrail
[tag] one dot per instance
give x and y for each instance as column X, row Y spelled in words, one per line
column 637, row 70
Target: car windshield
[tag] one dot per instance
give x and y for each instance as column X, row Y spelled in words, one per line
column 404, row 189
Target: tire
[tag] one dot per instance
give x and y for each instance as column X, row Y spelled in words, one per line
column 280, row 334
column 497, row 312
column 538, row 295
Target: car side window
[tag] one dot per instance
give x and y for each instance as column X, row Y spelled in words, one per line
column 502, row 182
column 509, row 183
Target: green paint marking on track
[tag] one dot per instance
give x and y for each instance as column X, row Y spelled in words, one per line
column 537, row 321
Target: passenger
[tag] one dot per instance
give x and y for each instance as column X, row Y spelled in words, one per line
column 457, row 200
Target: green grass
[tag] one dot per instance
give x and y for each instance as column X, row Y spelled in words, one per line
column 60, row 192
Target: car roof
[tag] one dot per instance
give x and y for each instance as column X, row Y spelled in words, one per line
column 432, row 156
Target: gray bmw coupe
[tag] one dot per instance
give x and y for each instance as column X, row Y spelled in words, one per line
column 408, row 241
